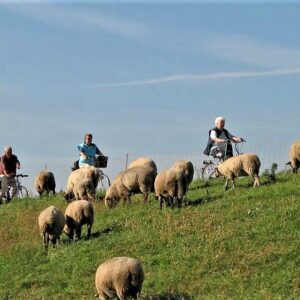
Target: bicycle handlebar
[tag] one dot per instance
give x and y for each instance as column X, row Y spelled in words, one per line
column 21, row 175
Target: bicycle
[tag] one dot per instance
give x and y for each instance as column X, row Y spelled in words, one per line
column 209, row 166
column 22, row 191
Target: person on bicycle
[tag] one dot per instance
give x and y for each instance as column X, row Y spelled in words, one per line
column 219, row 141
column 88, row 151
column 10, row 165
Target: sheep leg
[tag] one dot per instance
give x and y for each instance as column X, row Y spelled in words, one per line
column 120, row 294
column 103, row 296
column 46, row 239
column 89, row 229
column 226, row 184
column 78, row 232
column 256, row 181
column 145, row 197
column 232, row 180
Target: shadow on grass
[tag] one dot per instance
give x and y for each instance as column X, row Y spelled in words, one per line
column 166, row 296
column 201, row 201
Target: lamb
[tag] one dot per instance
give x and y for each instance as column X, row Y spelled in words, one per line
column 78, row 213
column 77, row 178
column 131, row 181
column 295, row 156
column 240, row 165
column 44, row 182
column 143, row 162
column 51, row 223
column 187, row 167
column 120, row 277
column 170, row 185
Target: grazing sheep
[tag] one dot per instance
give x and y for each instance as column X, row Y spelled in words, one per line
column 295, row 156
column 78, row 213
column 51, row 222
column 78, row 178
column 120, row 277
column 143, row 162
column 240, row 165
column 131, row 181
column 187, row 167
column 83, row 189
column 170, row 185
column 44, row 182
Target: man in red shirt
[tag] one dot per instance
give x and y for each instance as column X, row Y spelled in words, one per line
column 10, row 164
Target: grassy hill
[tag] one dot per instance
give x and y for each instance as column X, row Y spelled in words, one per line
column 239, row 244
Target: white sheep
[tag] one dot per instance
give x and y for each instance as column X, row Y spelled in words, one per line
column 83, row 189
column 143, row 162
column 170, row 186
column 240, row 165
column 78, row 177
column 51, row 223
column 78, row 213
column 131, row 181
column 120, row 277
column 44, row 182
column 187, row 167
column 295, row 156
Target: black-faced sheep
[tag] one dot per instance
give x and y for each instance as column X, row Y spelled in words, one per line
column 44, row 182
column 51, row 223
column 120, row 277
column 78, row 213
column 132, row 181
column 240, row 165
column 170, row 186
column 143, row 162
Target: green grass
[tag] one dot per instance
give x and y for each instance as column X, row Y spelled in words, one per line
column 239, row 244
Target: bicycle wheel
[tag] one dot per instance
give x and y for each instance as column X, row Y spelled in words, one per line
column 104, row 182
column 22, row 192
column 208, row 171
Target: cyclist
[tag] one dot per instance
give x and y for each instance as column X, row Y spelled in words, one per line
column 88, row 151
column 219, row 141
column 10, row 164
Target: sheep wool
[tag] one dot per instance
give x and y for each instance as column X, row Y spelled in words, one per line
column 143, row 162
column 170, row 185
column 120, row 277
column 78, row 213
column 187, row 167
column 51, row 223
column 240, row 165
column 45, row 182
column 295, row 156
column 132, row 181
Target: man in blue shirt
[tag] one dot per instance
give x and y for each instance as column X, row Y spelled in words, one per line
column 88, row 151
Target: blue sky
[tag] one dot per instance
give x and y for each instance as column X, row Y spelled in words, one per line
column 146, row 79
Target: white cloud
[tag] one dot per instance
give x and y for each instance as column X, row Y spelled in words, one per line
column 203, row 77
column 78, row 17
column 243, row 49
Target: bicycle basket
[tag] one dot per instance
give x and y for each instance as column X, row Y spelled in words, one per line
column 101, row 161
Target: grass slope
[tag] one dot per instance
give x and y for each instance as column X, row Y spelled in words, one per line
column 239, row 244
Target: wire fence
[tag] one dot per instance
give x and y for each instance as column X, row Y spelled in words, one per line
column 269, row 151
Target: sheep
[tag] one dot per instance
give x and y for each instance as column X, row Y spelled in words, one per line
column 51, row 223
column 295, row 156
column 143, row 162
column 44, row 182
column 78, row 213
column 131, row 181
column 84, row 189
column 187, row 167
column 120, row 277
column 170, row 185
column 240, row 165
column 78, row 177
